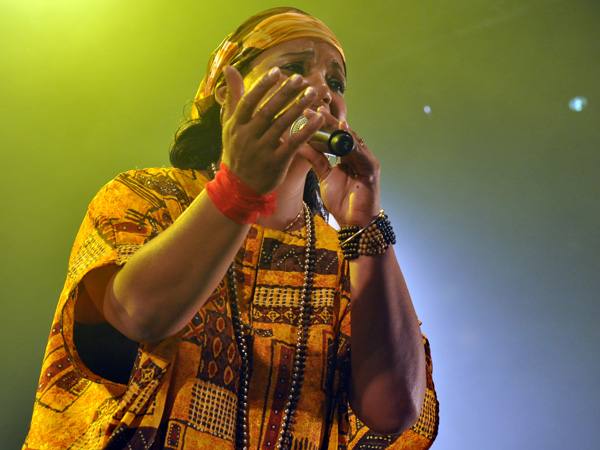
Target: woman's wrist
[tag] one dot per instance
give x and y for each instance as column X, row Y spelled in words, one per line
column 359, row 219
column 370, row 240
column 238, row 201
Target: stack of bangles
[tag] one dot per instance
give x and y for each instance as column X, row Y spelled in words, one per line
column 372, row 240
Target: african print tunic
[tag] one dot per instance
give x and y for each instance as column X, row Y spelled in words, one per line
column 183, row 391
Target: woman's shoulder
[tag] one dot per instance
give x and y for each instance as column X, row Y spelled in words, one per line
column 156, row 182
column 149, row 189
column 166, row 177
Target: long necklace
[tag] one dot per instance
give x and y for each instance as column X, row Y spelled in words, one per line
column 293, row 222
column 289, row 412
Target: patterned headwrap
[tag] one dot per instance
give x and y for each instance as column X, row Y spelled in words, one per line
column 258, row 33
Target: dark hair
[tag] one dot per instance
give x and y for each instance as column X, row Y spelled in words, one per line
column 198, row 142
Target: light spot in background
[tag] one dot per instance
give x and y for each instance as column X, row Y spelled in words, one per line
column 427, row 109
column 578, row 103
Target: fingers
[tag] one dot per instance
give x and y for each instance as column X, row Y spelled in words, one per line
column 330, row 119
column 276, row 114
column 235, row 90
column 275, row 129
column 283, row 104
column 360, row 161
column 306, row 132
column 277, row 101
column 248, row 103
column 318, row 161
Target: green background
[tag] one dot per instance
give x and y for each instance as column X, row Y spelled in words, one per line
column 494, row 195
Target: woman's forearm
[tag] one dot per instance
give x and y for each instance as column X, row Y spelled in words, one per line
column 165, row 283
column 388, row 357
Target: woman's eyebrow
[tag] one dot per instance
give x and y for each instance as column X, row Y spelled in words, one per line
column 339, row 67
column 309, row 54
column 306, row 53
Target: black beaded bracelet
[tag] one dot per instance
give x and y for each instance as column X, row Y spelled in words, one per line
column 372, row 240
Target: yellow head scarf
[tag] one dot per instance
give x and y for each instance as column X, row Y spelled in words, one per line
column 259, row 33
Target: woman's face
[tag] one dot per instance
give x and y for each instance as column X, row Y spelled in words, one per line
column 315, row 60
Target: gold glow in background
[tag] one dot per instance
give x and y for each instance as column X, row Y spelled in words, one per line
column 490, row 179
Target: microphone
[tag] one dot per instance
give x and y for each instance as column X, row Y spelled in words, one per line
column 328, row 139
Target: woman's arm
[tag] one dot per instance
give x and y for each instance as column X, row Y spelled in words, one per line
column 388, row 357
column 164, row 284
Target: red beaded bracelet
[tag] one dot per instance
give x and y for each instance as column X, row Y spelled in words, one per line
column 238, row 201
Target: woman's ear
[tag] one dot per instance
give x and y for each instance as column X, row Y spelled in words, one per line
column 221, row 94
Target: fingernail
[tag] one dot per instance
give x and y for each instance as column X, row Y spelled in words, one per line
column 308, row 91
column 273, row 73
column 295, row 80
column 321, row 109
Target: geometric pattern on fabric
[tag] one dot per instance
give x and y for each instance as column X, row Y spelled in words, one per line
column 374, row 441
column 278, row 377
column 141, row 438
column 289, row 297
column 220, row 359
column 142, row 400
column 213, row 410
column 427, row 425
column 217, row 305
column 124, row 252
column 156, row 188
column 289, row 316
column 279, row 256
column 68, row 389
column 183, row 392
column 95, row 247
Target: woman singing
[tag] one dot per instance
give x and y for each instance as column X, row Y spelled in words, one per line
column 211, row 306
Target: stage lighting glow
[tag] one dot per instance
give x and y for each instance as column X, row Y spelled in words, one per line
column 578, row 103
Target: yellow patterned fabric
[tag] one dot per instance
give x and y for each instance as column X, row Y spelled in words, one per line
column 182, row 392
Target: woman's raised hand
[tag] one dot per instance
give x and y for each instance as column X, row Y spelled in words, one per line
column 254, row 123
column 350, row 189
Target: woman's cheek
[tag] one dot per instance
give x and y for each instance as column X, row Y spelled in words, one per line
column 339, row 110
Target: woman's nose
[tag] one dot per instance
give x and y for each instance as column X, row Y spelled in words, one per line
column 318, row 82
column 326, row 98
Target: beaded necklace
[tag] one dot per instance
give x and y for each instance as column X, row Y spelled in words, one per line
column 287, row 421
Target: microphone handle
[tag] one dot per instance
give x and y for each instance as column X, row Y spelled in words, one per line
column 339, row 143
column 333, row 142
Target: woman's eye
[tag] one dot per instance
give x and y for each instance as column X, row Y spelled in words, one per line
column 337, row 85
column 294, row 68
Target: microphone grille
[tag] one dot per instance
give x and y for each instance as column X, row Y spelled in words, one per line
column 298, row 124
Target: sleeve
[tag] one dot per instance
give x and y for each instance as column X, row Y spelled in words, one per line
column 354, row 434
column 128, row 212
column 75, row 407
column 123, row 216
